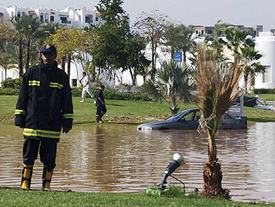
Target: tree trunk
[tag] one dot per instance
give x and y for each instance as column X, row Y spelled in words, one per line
column 245, row 81
column 172, row 53
column 133, row 77
column 63, row 63
column 93, row 71
column 212, row 178
column 153, row 71
column 174, row 109
column 20, row 57
column 184, row 57
column 69, row 65
column 28, row 55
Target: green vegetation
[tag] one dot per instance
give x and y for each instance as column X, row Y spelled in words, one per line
column 263, row 90
column 267, row 97
column 14, row 198
column 123, row 111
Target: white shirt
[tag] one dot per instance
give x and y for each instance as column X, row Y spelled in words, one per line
column 86, row 82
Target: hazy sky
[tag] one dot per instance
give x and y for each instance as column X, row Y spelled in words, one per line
column 195, row 12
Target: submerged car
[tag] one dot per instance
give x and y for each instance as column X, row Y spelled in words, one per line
column 189, row 120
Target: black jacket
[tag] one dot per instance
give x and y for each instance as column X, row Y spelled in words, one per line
column 45, row 103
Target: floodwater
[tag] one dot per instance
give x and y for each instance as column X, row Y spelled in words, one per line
column 119, row 159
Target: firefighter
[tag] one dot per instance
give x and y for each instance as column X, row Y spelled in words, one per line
column 44, row 107
column 100, row 104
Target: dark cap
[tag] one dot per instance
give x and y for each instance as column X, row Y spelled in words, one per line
column 49, row 49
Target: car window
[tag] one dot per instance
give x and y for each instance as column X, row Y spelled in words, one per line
column 198, row 115
column 176, row 116
column 190, row 116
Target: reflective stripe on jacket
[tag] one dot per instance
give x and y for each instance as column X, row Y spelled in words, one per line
column 45, row 102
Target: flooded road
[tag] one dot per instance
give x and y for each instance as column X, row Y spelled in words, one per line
column 120, row 159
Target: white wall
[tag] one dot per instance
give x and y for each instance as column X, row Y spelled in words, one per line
column 12, row 73
column 265, row 44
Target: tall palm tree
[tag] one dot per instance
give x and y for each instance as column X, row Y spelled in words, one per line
column 243, row 49
column 250, row 64
column 185, row 43
column 29, row 29
column 173, row 83
column 217, row 86
column 7, row 58
column 171, row 35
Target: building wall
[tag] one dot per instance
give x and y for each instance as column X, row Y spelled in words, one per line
column 71, row 17
column 265, row 44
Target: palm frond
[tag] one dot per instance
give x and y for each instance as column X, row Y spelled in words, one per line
column 217, row 85
column 150, row 88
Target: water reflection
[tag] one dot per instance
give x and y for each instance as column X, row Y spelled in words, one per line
column 118, row 158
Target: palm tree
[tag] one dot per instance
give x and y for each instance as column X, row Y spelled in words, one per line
column 217, row 86
column 250, row 64
column 171, row 36
column 7, row 58
column 243, row 48
column 29, row 29
column 173, row 82
column 185, row 43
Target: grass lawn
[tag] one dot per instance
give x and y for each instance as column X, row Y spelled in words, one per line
column 123, row 111
column 17, row 198
column 267, row 97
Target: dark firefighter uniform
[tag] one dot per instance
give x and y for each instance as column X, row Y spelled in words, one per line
column 100, row 104
column 44, row 106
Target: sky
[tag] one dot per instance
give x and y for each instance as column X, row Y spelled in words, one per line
column 187, row 12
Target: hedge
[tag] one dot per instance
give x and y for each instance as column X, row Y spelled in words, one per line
column 111, row 94
column 76, row 92
column 264, row 91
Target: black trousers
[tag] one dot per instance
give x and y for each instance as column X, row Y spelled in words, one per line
column 47, row 151
column 101, row 110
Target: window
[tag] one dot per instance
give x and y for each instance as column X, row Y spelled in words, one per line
column 74, row 82
column 46, row 17
column 52, row 18
column 18, row 14
column 89, row 19
column 63, row 20
column 79, row 17
column 41, row 17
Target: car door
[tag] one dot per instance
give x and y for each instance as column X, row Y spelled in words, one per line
column 188, row 121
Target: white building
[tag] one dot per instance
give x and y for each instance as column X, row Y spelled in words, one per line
column 265, row 44
column 75, row 18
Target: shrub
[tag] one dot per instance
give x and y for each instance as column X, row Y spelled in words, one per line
column 12, row 83
column 12, row 87
column 9, row 91
column 111, row 94
column 263, row 90
column 76, row 92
